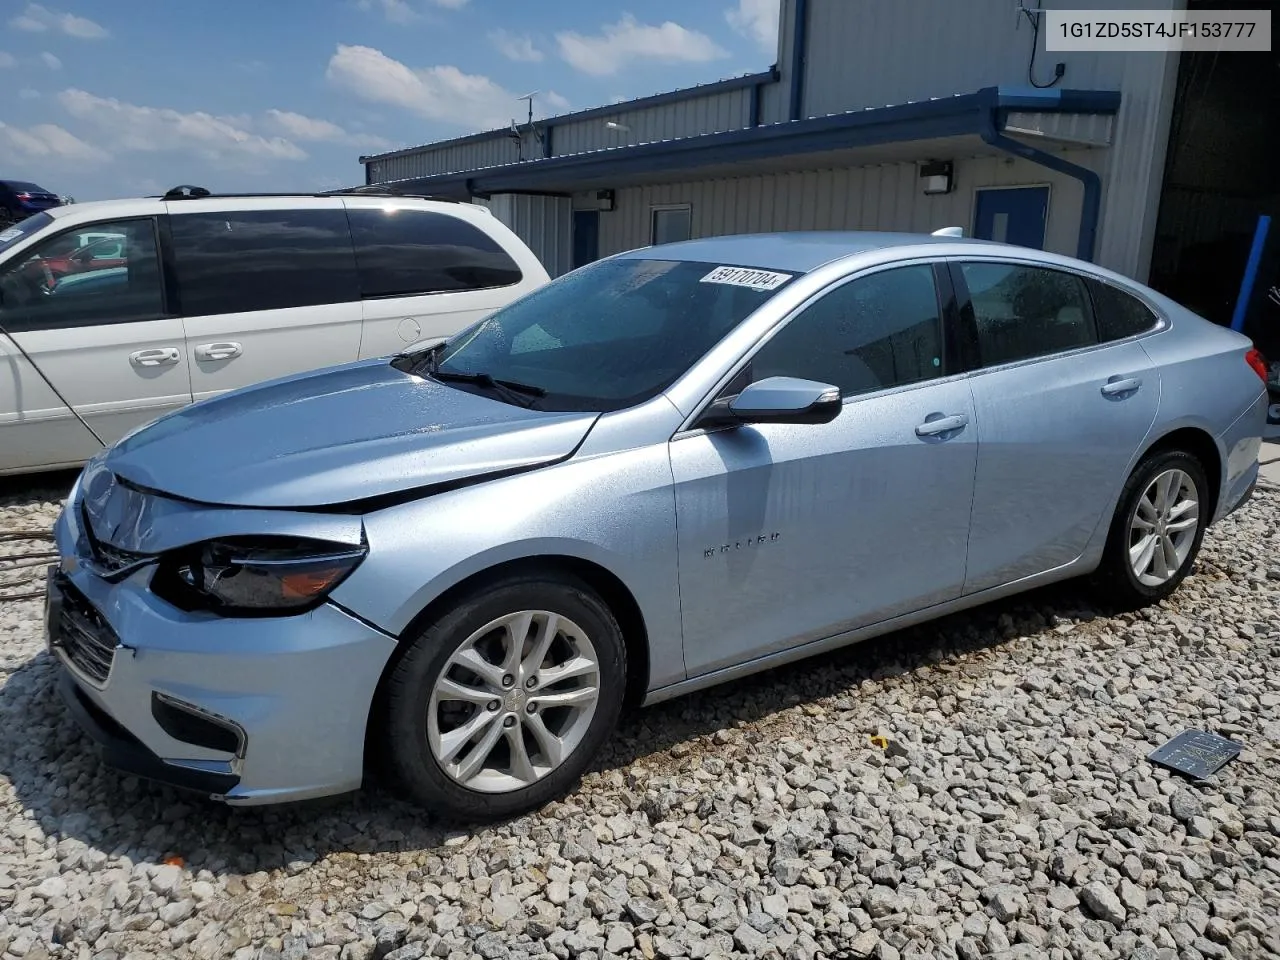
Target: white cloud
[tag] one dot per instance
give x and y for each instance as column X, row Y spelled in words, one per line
column 39, row 19
column 555, row 101
column 397, row 11
column 515, row 46
column 312, row 130
column 7, row 61
column 757, row 20
column 127, row 127
column 45, row 141
column 402, row 11
column 628, row 40
column 442, row 93
column 50, row 61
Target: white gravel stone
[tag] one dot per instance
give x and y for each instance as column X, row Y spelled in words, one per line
column 1013, row 813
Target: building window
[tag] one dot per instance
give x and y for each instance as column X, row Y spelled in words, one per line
column 671, row 224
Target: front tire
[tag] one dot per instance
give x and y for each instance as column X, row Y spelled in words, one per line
column 499, row 704
column 1157, row 530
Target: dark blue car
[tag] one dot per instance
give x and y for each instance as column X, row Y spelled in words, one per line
column 19, row 199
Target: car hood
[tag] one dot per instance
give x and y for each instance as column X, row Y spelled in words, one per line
column 335, row 436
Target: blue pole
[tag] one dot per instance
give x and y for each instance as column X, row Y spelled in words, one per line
column 1250, row 272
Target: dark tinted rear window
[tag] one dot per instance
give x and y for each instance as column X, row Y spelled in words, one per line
column 22, row 186
column 233, row 262
column 1118, row 314
column 405, row 252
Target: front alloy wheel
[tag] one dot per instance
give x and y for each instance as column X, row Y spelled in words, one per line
column 500, row 703
column 513, row 701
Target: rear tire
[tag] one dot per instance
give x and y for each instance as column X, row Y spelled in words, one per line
column 6, row 216
column 499, row 704
column 1156, row 532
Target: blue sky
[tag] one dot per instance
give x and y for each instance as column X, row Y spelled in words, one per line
column 130, row 97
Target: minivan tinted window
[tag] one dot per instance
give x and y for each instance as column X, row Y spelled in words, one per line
column 245, row 260
column 406, row 252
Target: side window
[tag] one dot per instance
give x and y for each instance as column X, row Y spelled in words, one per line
column 878, row 331
column 47, row 289
column 246, row 260
column 1023, row 312
column 1117, row 313
column 404, row 253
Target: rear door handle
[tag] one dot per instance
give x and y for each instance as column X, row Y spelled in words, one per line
column 219, row 351
column 931, row 428
column 1118, row 385
column 159, row 357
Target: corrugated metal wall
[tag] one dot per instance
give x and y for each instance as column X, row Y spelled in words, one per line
column 686, row 118
column 450, row 159
column 871, row 53
column 883, row 197
column 544, row 223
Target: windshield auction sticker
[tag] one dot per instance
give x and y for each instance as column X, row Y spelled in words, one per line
column 742, row 277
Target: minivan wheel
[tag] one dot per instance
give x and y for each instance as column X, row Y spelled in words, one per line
column 499, row 705
column 1157, row 530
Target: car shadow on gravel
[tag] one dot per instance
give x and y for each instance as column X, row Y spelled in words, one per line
column 60, row 783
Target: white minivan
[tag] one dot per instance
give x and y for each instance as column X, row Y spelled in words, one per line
column 208, row 293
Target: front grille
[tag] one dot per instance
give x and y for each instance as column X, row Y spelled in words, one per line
column 82, row 634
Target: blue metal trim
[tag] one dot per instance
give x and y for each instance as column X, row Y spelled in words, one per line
column 1091, row 206
column 658, row 99
column 799, row 43
column 1250, row 272
column 972, row 113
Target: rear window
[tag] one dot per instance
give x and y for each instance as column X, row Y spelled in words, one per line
column 409, row 252
column 242, row 261
column 22, row 186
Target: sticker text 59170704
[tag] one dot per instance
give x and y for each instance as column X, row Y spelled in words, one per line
column 745, row 277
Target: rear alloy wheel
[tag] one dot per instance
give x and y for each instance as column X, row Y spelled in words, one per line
column 1157, row 530
column 500, row 705
column 6, row 216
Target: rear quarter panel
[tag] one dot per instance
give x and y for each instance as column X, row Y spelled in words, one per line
column 1206, row 384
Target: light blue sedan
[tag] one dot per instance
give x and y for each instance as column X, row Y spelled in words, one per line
column 667, row 469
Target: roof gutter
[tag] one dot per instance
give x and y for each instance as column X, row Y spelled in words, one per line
column 1091, row 206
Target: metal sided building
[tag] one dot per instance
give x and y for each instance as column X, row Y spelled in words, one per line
column 885, row 114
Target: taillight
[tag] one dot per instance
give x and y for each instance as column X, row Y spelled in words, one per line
column 24, row 196
column 1258, row 362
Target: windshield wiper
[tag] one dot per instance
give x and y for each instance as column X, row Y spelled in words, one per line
column 514, row 390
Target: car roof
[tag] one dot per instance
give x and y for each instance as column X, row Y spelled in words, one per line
column 800, row 251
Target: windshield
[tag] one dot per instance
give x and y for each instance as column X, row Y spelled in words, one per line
column 610, row 335
column 22, row 229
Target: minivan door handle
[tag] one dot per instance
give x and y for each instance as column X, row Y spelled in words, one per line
column 931, row 428
column 219, row 351
column 1120, row 385
column 162, row 356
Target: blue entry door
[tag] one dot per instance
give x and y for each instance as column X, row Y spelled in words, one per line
column 586, row 237
column 1014, row 215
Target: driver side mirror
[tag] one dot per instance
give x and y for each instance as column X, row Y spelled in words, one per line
column 776, row 400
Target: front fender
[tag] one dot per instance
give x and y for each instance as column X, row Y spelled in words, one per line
column 616, row 511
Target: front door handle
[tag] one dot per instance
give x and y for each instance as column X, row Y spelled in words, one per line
column 225, row 350
column 931, row 428
column 160, row 357
column 1118, row 385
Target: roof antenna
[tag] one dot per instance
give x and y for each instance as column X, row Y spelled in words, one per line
column 948, row 232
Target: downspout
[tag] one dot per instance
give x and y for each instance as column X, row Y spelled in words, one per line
column 799, row 42
column 1090, row 208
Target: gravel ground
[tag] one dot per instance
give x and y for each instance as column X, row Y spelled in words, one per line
column 1009, row 812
